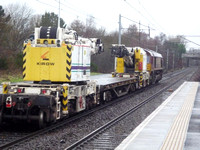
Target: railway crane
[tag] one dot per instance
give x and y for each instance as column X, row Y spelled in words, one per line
column 57, row 62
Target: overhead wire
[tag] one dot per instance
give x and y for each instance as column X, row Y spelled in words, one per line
column 137, row 41
column 75, row 12
column 153, row 19
column 150, row 15
column 138, row 23
column 86, row 14
column 65, row 10
column 190, row 41
column 75, row 7
column 72, row 8
column 138, row 12
column 46, row 4
column 165, row 30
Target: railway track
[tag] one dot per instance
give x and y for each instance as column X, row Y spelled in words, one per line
column 165, row 75
column 22, row 138
column 101, row 138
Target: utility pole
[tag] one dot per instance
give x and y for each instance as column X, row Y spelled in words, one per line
column 119, row 38
column 173, row 60
column 167, row 58
column 149, row 31
column 59, row 15
column 120, row 28
column 139, row 33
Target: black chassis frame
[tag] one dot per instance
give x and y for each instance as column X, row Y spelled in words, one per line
column 21, row 110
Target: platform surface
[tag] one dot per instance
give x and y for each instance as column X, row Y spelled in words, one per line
column 174, row 125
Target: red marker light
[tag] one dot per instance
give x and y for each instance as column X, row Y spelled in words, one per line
column 8, row 102
column 19, row 90
column 13, row 104
column 44, row 91
column 8, row 105
column 29, row 104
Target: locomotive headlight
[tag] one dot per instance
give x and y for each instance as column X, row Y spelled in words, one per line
column 45, row 42
column 15, row 90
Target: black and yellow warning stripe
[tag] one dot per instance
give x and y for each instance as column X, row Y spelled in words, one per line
column 24, row 59
column 68, row 62
column 141, row 79
column 65, row 99
column 5, row 88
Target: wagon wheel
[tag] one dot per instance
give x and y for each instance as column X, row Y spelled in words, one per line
column 132, row 88
column 1, row 116
column 41, row 123
column 87, row 103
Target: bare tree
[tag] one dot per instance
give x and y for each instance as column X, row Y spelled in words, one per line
column 78, row 26
column 20, row 23
column 4, row 28
column 90, row 30
column 35, row 21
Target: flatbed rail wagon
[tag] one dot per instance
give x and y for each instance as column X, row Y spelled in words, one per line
column 56, row 64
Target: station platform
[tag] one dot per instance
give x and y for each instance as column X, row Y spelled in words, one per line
column 174, row 125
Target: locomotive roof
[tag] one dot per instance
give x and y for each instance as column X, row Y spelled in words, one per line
column 153, row 53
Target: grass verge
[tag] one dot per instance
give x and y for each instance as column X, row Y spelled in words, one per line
column 10, row 77
column 94, row 73
column 18, row 77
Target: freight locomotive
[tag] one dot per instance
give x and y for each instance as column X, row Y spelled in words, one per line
column 57, row 62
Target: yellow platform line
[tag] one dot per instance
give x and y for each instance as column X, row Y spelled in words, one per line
column 177, row 133
column 140, row 127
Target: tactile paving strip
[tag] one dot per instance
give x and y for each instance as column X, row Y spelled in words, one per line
column 177, row 134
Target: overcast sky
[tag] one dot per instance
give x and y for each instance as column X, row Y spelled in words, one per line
column 172, row 17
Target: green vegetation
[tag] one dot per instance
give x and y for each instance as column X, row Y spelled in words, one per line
column 94, row 73
column 94, row 67
column 3, row 63
column 18, row 77
column 51, row 19
column 19, row 60
column 11, row 78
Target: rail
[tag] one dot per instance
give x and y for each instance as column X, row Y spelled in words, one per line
column 102, row 130
column 78, row 116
